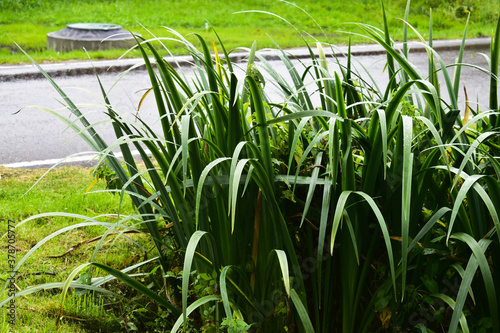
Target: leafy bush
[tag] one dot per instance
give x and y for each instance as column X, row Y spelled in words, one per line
column 366, row 209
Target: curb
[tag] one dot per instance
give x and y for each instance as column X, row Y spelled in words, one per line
column 30, row 72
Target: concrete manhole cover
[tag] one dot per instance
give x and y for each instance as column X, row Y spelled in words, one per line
column 91, row 36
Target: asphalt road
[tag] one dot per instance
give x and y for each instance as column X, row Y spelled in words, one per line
column 34, row 134
column 32, row 137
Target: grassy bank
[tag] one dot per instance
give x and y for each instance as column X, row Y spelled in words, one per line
column 26, row 22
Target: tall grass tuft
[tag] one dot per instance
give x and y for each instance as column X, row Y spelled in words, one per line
column 370, row 210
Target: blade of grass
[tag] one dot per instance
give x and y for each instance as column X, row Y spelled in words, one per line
column 188, row 262
column 302, row 312
column 477, row 259
column 196, row 304
column 385, row 232
column 312, row 186
column 406, row 194
column 390, row 59
column 127, row 279
column 458, row 68
column 495, row 56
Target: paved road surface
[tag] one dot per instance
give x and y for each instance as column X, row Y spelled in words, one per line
column 33, row 134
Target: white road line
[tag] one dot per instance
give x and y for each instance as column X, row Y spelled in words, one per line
column 76, row 158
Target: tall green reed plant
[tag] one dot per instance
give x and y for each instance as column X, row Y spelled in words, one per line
column 398, row 193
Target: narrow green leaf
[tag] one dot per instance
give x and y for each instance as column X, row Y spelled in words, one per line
column 284, row 269
column 495, row 56
column 302, row 312
column 127, row 279
column 477, row 259
column 184, row 137
column 196, row 304
column 66, row 286
column 234, row 189
column 201, row 184
column 407, row 177
column 314, row 142
column 461, row 271
column 339, row 209
column 58, row 285
column 472, row 150
column 223, row 292
column 452, row 304
column 436, row 137
column 325, row 208
column 251, row 62
column 405, row 30
column 258, row 108
column 333, row 150
column 390, row 59
column 468, row 183
column 188, row 262
column 458, row 68
column 312, row 186
column 428, row 226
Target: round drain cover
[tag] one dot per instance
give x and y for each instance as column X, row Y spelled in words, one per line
column 91, row 36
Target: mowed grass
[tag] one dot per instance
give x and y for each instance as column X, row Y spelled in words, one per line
column 26, row 22
column 61, row 190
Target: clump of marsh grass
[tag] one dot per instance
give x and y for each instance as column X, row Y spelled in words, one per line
column 353, row 212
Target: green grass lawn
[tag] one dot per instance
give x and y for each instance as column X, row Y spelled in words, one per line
column 26, row 22
column 61, row 190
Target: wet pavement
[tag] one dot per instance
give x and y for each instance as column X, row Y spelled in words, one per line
column 34, row 137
